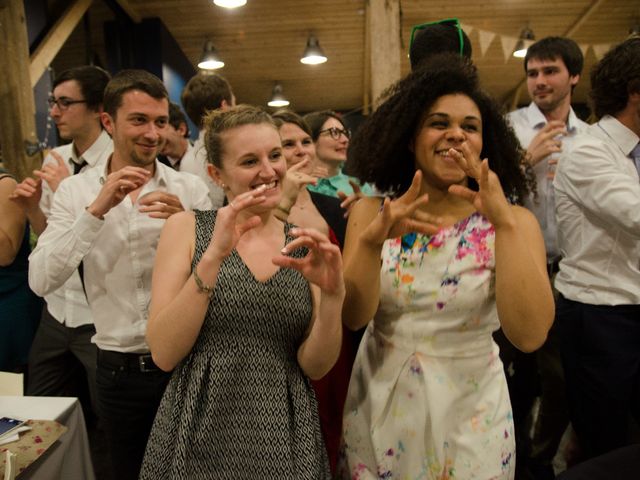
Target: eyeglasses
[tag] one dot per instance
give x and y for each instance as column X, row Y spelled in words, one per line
column 63, row 103
column 335, row 132
column 452, row 22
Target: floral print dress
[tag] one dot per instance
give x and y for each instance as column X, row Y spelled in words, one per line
column 428, row 398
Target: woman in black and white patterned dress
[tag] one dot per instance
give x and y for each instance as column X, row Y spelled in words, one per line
column 246, row 308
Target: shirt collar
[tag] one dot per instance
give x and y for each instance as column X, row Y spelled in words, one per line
column 95, row 152
column 619, row 133
column 537, row 119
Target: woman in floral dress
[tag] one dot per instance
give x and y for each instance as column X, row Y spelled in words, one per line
column 439, row 265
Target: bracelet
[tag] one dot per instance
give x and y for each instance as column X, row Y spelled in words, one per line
column 202, row 288
column 281, row 213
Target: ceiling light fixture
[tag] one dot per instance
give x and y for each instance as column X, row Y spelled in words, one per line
column 277, row 98
column 230, row 3
column 210, row 59
column 313, row 54
column 526, row 39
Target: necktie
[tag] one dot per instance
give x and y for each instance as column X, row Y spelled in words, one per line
column 78, row 166
column 635, row 155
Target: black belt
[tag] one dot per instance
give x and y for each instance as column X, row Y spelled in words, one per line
column 136, row 362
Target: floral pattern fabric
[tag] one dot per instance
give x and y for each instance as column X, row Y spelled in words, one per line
column 428, row 398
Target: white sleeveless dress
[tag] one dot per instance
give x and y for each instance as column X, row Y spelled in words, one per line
column 428, row 398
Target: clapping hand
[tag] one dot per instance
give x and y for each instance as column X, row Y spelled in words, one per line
column 546, row 142
column 160, row 204
column 489, row 200
column 348, row 201
column 401, row 216
column 228, row 230
column 53, row 173
column 322, row 266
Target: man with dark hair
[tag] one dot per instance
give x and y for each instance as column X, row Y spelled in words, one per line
column 106, row 223
column 202, row 93
column 598, row 210
column 549, row 124
column 62, row 354
column 437, row 38
column 177, row 144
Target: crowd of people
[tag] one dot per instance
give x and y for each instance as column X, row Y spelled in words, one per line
column 445, row 294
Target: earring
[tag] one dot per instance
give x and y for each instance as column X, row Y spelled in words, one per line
column 223, row 186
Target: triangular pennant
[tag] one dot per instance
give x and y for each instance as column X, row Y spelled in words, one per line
column 467, row 28
column 600, row 49
column 584, row 48
column 508, row 44
column 485, row 38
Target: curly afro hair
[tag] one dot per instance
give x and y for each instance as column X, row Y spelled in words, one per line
column 380, row 152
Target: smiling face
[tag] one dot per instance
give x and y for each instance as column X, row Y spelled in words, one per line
column 297, row 145
column 549, row 83
column 138, row 128
column 251, row 157
column 328, row 149
column 453, row 120
column 77, row 120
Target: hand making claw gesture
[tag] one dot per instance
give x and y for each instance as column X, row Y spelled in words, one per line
column 230, row 226
column 489, row 200
column 295, row 180
column 401, row 216
column 322, row 266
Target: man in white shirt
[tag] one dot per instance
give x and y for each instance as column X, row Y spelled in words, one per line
column 598, row 212
column 106, row 223
column 545, row 128
column 204, row 92
column 62, row 353
column 176, row 139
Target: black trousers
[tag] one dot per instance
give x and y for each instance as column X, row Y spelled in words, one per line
column 600, row 348
column 62, row 359
column 129, row 392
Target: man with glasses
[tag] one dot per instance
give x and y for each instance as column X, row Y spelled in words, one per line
column 62, row 354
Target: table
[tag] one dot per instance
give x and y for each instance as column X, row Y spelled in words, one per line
column 69, row 457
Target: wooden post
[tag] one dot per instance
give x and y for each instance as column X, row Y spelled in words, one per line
column 17, row 109
column 383, row 27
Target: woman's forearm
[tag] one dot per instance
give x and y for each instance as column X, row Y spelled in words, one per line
column 320, row 350
column 362, row 284
column 173, row 330
column 523, row 293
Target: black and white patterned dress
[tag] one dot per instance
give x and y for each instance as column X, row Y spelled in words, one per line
column 239, row 406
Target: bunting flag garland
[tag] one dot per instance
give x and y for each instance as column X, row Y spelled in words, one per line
column 508, row 43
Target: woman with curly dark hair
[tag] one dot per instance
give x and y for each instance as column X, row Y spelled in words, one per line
column 439, row 265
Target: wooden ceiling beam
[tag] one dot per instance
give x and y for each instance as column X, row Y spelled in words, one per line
column 130, row 10
column 55, row 39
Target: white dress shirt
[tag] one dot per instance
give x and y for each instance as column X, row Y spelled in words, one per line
column 526, row 123
column 195, row 161
column 598, row 213
column 117, row 252
column 68, row 304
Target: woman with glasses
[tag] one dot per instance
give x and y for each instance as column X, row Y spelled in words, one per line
column 331, row 138
column 440, row 264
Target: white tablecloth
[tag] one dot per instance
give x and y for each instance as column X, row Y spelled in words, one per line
column 68, row 458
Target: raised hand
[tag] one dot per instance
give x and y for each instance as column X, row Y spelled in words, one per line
column 348, row 201
column 160, row 204
column 53, row 173
column 295, row 180
column 489, row 199
column 117, row 186
column 322, row 266
column 27, row 195
column 401, row 216
column 228, row 229
column 545, row 142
